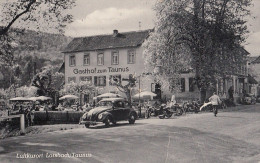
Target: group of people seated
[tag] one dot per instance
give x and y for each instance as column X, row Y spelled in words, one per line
column 73, row 107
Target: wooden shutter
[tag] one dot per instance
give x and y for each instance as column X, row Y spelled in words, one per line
column 95, row 80
column 105, row 81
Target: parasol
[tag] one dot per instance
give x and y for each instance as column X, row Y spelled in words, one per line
column 19, row 99
column 70, row 97
column 108, row 95
column 143, row 94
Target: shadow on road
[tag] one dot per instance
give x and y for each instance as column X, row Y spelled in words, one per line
column 102, row 126
column 230, row 116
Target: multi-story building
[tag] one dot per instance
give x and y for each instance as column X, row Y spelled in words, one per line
column 97, row 59
column 254, row 78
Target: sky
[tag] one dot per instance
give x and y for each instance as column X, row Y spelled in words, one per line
column 94, row 17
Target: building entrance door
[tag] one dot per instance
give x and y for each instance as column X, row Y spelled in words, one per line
column 158, row 91
column 86, row 98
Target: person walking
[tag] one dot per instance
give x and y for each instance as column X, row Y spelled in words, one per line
column 215, row 101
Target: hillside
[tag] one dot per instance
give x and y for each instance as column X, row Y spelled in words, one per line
column 33, row 51
column 41, row 44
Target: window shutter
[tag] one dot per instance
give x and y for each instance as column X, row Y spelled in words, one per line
column 104, row 78
column 119, row 79
column 191, row 84
column 183, row 84
column 95, row 80
column 110, row 79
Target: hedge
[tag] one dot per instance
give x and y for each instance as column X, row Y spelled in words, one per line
column 56, row 117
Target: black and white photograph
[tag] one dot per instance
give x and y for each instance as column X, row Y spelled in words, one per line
column 130, row 81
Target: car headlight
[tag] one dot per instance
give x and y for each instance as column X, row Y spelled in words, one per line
column 100, row 116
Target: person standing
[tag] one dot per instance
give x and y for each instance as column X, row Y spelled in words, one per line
column 215, row 101
column 231, row 93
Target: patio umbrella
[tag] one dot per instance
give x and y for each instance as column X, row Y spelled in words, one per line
column 144, row 94
column 19, row 99
column 33, row 98
column 43, row 98
column 70, row 97
column 108, row 95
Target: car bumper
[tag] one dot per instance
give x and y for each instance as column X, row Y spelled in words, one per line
column 90, row 122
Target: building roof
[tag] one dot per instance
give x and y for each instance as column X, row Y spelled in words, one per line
column 62, row 68
column 100, row 42
column 256, row 61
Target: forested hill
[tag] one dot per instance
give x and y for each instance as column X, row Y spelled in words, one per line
column 33, row 51
column 42, row 44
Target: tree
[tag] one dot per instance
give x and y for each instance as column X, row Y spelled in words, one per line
column 40, row 14
column 78, row 89
column 26, row 91
column 48, row 81
column 125, row 88
column 207, row 34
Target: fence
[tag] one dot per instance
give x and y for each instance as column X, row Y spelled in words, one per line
column 56, row 117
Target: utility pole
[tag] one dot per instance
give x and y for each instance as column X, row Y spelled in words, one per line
column 139, row 91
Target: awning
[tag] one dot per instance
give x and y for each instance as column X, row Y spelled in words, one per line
column 251, row 80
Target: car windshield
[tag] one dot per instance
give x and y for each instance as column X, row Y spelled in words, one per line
column 105, row 103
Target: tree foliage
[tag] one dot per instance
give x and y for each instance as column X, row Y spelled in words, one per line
column 48, row 81
column 77, row 88
column 41, row 15
column 126, row 88
column 205, row 34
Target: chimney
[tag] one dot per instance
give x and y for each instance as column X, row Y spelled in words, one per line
column 115, row 32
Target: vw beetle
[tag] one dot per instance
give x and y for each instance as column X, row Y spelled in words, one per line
column 109, row 111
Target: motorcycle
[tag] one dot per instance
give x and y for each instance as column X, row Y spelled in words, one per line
column 193, row 106
column 153, row 111
column 168, row 111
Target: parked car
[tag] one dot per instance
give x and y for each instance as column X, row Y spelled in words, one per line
column 249, row 99
column 258, row 99
column 109, row 111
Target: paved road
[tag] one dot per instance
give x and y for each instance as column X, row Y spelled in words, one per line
column 233, row 136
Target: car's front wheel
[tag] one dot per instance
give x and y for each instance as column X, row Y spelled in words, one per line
column 132, row 118
column 108, row 120
column 87, row 125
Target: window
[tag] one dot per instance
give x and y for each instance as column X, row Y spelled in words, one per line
column 116, row 78
column 119, row 104
column 71, row 79
column 86, row 59
column 182, row 84
column 114, row 58
column 191, row 84
column 87, row 79
column 100, row 59
column 131, row 57
column 100, row 80
column 72, row 60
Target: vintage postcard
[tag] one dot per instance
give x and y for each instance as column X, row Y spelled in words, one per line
column 129, row 81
